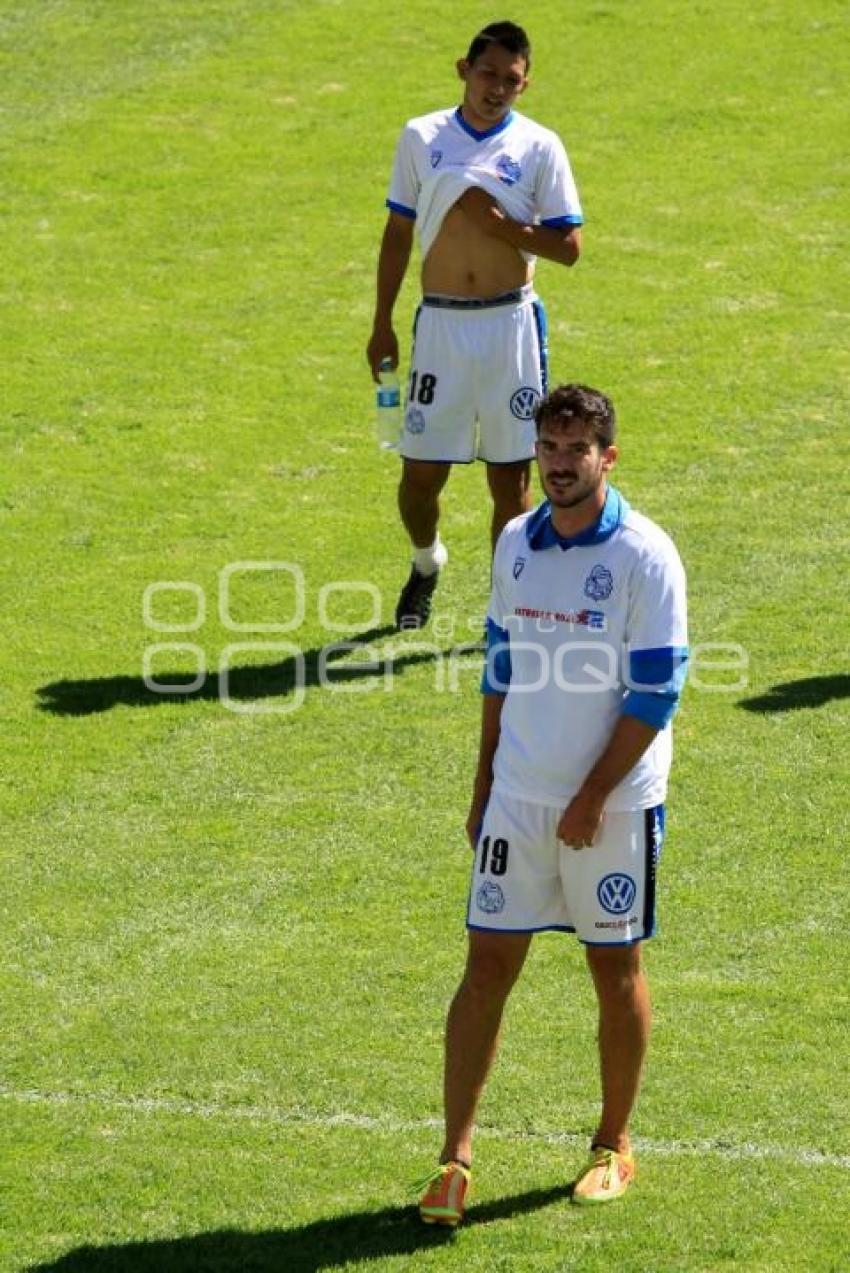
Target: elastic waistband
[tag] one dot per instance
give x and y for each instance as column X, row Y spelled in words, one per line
column 514, row 297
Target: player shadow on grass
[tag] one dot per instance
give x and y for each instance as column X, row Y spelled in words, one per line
column 789, row 696
column 242, row 685
column 309, row 1248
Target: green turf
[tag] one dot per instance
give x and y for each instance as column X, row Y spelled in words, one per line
column 229, row 937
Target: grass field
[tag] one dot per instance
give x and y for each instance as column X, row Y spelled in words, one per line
column 232, row 919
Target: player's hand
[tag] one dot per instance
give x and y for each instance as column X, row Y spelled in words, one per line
column 579, row 823
column 481, row 208
column 383, row 343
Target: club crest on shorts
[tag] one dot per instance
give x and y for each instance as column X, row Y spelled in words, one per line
column 490, row 899
column 524, row 403
column 616, row 893
column 414, row 421
column 436, row 156
column 599, row 584
column 519, row 567
column 508, row 169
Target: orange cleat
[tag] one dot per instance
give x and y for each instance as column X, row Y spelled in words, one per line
column 445, row 1192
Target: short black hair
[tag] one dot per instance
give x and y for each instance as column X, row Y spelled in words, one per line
column 508, row 35
column 571, row 402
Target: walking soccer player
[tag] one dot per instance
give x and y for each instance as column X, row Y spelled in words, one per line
column 488, row 191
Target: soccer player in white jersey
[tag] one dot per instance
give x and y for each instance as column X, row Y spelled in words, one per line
column 488, row 191
column 586, row 659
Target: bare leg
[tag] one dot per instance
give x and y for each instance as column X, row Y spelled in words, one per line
column 625, row 1018
column 472, row 1031
column 418, row 499
column 510, row 487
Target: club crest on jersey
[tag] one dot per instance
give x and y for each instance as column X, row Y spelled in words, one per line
column 616, row 893
column 490, row 899
column 415, row 420
column 524, row 403
column 519, row 567
column 599, row 584
column 436, row 156
column 508, row 169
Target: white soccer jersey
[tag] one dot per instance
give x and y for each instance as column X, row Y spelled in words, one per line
column 521, row 164
column 581, row 622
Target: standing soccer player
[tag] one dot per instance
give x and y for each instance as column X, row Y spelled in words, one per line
column 586, row 659
column 489, row 191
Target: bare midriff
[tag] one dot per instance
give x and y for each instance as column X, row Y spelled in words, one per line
column 463, row 261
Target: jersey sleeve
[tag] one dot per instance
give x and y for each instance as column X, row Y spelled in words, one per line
column 497, row 610
column 404, row 189
column 556, row 195
column 657, row 639
column 496, row 676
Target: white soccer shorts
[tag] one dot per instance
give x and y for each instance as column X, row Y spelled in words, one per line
column 525, row 880
column 481, row 362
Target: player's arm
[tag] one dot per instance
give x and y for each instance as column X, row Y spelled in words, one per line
column 491, row 718
column 656, row 678
column 494, row 687
column 561, row 244
column 393, row 259
column 556, row 243
column 580, row 820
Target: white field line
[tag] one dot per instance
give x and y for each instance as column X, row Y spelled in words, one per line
column 270, row 1114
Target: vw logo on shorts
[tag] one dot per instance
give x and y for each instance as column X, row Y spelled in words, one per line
column 415, row 420
column 490, row 898
column 616, row 893
column 524, row 403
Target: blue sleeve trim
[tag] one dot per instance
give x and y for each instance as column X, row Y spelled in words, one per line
column 555, row 223
column 656, row 710
column 662, row 668
column 655, row 684
column 496, row 677
column 400, row 208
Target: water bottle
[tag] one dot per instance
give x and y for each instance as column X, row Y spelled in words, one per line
column 388, row 407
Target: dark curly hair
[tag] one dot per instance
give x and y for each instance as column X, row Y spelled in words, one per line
column 566, row 403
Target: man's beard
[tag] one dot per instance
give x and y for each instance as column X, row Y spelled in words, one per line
column 576, row 495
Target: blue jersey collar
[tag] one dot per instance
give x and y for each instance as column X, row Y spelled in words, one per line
column 542, row 534
column 488, row 132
